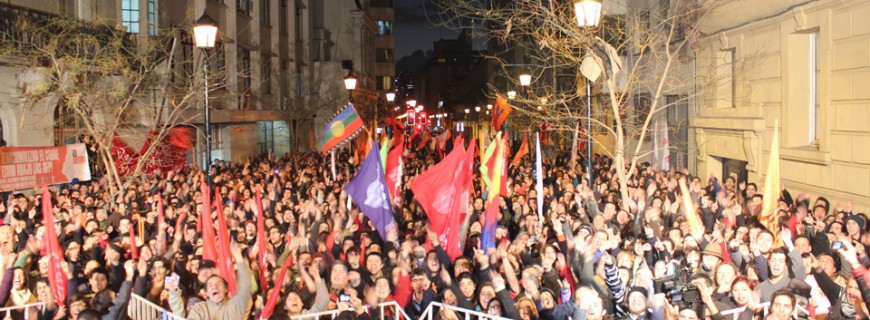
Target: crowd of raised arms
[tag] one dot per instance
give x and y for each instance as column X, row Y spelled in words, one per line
column 592, row 256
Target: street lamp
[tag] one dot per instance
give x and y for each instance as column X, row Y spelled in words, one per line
column 588, row 13
column 477, row 108
column 489, row 106
column 412, row 103
column 525, row 79
column 204, row 35
column 512, row 94
column 350, row 84
column 391, row 96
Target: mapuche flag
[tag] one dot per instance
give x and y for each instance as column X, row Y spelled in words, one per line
column 342, row 127
column 56, row 275
column 441, row 190
column 369, row 190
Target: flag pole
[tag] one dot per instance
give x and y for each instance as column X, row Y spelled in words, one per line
column 332, row 165
column 539, row 178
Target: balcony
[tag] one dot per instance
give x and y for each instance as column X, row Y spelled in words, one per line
column 45, row 27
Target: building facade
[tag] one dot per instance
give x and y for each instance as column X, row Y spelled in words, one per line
column 794, row 66
column 282, row 63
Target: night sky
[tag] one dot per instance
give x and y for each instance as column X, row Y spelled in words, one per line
column 415, row 27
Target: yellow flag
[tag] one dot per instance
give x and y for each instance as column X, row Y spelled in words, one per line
column 768, row 216
column 696, row 226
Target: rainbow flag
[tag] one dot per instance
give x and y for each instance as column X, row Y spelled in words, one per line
column 344, row 126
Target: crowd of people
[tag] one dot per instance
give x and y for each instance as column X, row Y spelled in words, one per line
column 591, row 254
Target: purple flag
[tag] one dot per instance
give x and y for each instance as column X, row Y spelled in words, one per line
column 369, row 190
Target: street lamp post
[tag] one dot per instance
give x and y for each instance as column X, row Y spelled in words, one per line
column 391, row 98
column 588, row 14
column 525, row 82
column 204, row 34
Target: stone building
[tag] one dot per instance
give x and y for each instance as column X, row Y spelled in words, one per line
column 284, row 62
column 803, row 64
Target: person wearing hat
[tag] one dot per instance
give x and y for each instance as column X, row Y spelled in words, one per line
column 854, row 226
column 711, row 257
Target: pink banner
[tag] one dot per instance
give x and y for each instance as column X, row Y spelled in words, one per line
column 29, row 167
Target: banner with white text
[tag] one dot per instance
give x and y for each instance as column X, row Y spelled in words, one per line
column 29, row 167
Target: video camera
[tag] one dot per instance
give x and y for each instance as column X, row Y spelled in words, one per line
column 680, row 292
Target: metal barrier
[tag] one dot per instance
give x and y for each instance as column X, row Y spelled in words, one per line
column 333, row 313
column 142, row 309
column 429, row 313
column 26, row 309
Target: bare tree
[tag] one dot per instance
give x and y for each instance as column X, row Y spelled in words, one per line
column 634, row 58
column 108, row 83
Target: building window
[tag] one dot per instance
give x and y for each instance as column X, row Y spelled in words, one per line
column 284, row 84
column 265, row 12
column 152, row 18
column 243, row 6
column 384, row 83
column 385, row 55
column 815, row 105
column 266, row 73
column 802, row 124
column 130, row 15
column 385, row 27
column 642, row 105
column 298, row 27
column 282, row 17
column 217, row 142
column 725, row 84
column 244, row 60
column 67, row 126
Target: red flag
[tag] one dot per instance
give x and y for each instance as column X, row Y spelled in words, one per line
column 225, row 265
column 437, row 190
column 261, row 242
column 524, row 150
column 134, row 251
column 56, row 275
column 276, row 291
column 441, row 142
column 395, row 165
column 464, row 200
column 209, row 252
column 500, row 112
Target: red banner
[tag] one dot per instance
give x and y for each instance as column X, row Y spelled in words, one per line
column 28, row 167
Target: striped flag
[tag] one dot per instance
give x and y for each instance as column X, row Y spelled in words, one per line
column 346, row 124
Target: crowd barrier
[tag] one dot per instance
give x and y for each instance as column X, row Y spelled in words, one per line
column 25, row 310
column 397, row 310
column 142, row 309
column 461, row 313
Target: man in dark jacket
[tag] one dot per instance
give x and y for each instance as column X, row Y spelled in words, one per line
column 422, row 295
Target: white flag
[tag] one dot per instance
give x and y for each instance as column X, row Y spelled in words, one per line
column 539, row 178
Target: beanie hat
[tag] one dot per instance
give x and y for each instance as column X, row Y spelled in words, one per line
column 858, row 219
